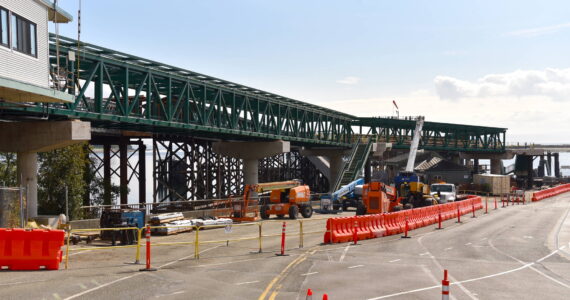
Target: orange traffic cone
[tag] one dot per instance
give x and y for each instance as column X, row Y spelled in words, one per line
column 309, row 295
column 325, row 297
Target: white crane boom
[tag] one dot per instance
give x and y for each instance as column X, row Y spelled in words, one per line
column 415, row 144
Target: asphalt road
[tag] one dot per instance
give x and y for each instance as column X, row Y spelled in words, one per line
column 517, row 252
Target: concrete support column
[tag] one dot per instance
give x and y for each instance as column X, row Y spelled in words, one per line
column 28, row 178
column 28, row 138
column 336, row 165
column 251, row 153
column 476, row 165
column 496, row 167
column 251, row 171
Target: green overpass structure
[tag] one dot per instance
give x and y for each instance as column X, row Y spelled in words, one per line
column 126, row 97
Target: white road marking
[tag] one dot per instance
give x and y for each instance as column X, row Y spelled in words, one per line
column 247, row 282
column 357, row 266
column 131, row 276
column 344, row 253
column 483, row 238
column 448, row 248
column 467, row 244
column 469, row 280
column 532, row 268
column 465, row 290
column 310, row 273
column 527, row 237
column 425, row 253
column 395, row 260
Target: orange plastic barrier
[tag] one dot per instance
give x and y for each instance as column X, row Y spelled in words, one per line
column 22, row 249
column 340, row 230
column 551, row 192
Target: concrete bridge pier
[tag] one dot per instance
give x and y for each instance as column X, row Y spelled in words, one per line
column 251, row 153
column 335, row 161
column 28, row 138
column 27, row 172
column 496, row 159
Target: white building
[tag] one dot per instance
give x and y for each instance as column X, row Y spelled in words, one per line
column 24, row 50
column 24, row 77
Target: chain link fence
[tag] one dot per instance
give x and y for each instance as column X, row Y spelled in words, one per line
column 13, row 208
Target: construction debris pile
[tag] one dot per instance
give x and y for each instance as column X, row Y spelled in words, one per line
column 176, row 223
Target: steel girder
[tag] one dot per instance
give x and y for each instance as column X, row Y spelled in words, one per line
column 435, row 136
column 292, row 165
column 119, row 162
column 122, row 91
column 187, row 169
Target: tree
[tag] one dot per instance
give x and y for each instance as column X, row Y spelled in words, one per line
column 8, row 169
column 59, row 169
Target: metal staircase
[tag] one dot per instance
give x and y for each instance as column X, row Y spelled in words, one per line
column 353, row 167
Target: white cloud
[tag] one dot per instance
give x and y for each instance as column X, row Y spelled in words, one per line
column 350, row 80
column 529, row 119
column 550, row 83
column 532, row 32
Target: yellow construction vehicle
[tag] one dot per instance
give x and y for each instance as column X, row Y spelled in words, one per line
column 286, row 197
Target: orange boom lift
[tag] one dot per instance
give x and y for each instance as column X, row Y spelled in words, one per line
column 286, row 197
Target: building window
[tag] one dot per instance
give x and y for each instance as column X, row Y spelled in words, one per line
column 4, row 29
column 24, row 35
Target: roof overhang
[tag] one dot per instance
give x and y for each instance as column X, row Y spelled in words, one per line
column 17, row 91
column 55, row 13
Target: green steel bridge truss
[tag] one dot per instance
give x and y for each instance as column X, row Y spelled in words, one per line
column 121, row 91
column 435, row 136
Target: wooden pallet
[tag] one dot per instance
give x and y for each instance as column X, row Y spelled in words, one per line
column 88, row 237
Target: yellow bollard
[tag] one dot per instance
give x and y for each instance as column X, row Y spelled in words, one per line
column 67, row 249
column 138, row 255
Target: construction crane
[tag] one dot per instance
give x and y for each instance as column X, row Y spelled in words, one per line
column 415, row 144
column 411, row 191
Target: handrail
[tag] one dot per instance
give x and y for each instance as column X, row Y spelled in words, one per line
column 346, row 166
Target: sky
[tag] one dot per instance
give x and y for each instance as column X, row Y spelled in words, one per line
column 489, row 63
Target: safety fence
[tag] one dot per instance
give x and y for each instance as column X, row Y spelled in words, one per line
column 551, row 192
column 514, row 196
column 209, row 207
column 24, row 249
column 260, row 232
column 345, row 229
